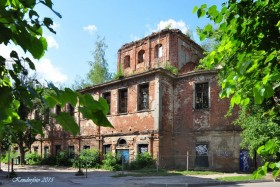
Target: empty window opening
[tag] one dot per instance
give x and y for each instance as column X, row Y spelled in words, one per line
column 70, row 109
column 143, row 97
column 86, row 147
column 141, row 56
column 46, row 151
column 57, row 149
column 71, row 151
column 126, row 63
column 107, row 96
column 107, row 149
column 142, row 148
column 158, row 51
column 202, row 96
column 35, row 149
column 37, row 114
column 123, row 101
column 122, row 142
column 57, row 109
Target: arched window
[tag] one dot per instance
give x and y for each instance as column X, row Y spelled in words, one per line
column 122, row 142
column 126, row 63
column 158, row 51
column 141, row 56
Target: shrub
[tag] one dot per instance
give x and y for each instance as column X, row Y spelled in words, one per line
column 32, row 159
column 50, row 160
column 112, row 162
column 13, row 155
column 89, row 158
column 143, row 160
column 62, row 159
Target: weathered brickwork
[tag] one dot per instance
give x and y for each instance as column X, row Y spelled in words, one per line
column 179, row 119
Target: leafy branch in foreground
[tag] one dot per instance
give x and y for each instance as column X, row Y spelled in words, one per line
column 21, row 25
column 247, row 55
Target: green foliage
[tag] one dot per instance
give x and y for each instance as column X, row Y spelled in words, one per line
column 112, row 162
column 5, row 157
column 32, row 158
column 247, row 54
column 170, row 68
column 50, row 160
column 119, row 73
column 143, row 160
column 257, row 129
column 22, row 26
column 89, row 158
column 62, row 159
column 99, row 72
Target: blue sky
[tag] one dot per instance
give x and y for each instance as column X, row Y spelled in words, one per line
column 119, row 21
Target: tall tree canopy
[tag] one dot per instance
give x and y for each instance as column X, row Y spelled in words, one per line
column 99, row 72
column 21, row 25
column 248, row 56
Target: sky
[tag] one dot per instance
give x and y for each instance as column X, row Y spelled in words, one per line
column 119, row 21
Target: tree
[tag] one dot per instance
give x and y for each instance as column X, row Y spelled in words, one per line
column 22, row 26
column 99, row 72
column 248, row 55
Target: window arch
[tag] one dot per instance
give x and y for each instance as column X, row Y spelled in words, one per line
column 122, row 142
column 141, row 56
column 126, row 63
column 158, row 51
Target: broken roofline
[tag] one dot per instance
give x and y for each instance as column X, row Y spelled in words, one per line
column 153, row 71
column 156, row 34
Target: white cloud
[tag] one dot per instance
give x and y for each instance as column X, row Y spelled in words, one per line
column 48, row 72
column 171, row 24
column 52, row 43
column 90, row 28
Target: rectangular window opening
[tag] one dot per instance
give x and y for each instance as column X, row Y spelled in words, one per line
column 202, row 96
column 107, row 96
column 123, row 101
column 142, row 148
column 143, row 97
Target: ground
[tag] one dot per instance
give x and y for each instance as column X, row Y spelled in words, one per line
column 59, row 176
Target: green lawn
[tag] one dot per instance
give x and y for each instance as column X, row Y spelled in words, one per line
column 161, row 172
column 238, row 178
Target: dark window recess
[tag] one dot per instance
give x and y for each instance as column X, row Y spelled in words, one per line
column 107, row 149
column 143, row 97
column 202, row 96
column 142, row 148
column 141, row 56
column 123, row 101
column 71, row 151
column 46, row 151
column 57, row 149
column 37, row 114
column 107, row 96
column 47, row 116
column 158, row 51
column 70, row 109
column 122, row 142
column 126, row 63
column 35, row 148
column 57, row 109
column 86, row 147
column 201, row 159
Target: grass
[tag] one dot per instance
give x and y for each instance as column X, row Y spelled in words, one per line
column 237, row 178
column 161, row 172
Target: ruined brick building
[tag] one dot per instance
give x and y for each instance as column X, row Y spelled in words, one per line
column 171, row 116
